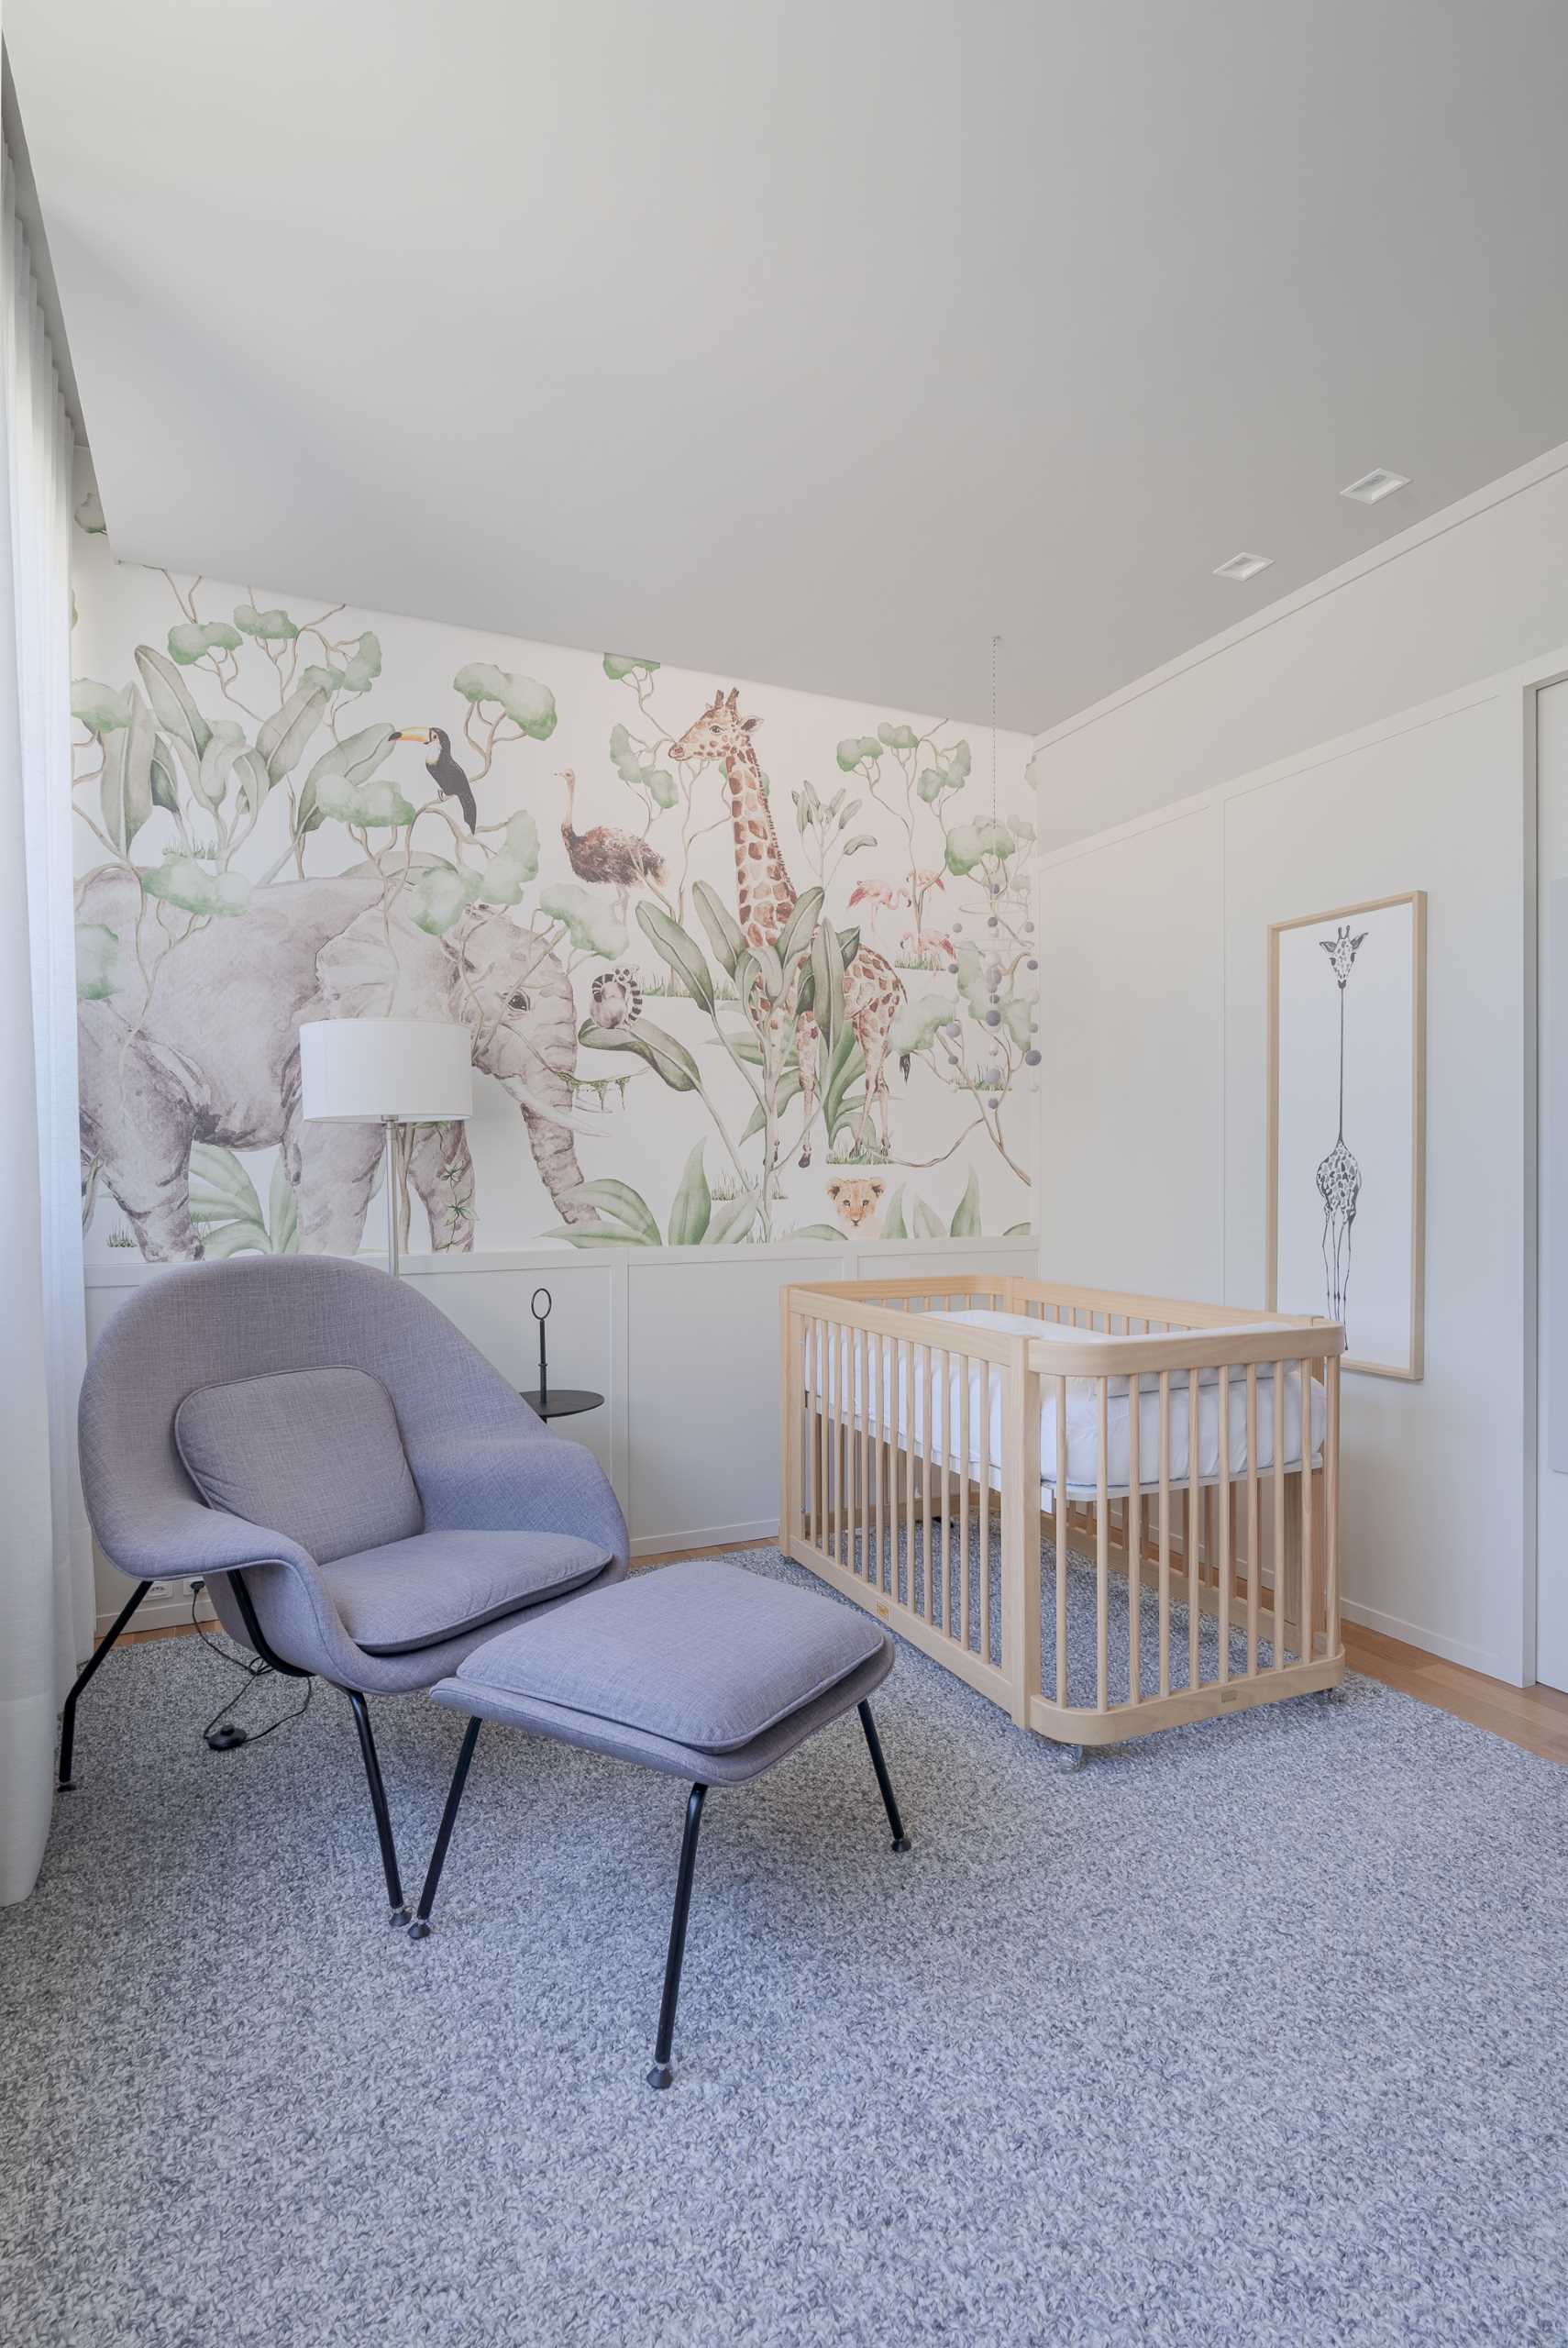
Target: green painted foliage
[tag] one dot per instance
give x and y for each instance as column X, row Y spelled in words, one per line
column 970, row 844
column 439, row 896
column 372, row 805
column 125, row 789
column 663, row 1053
column 681, row 951
column 181, row 881
column 508, row 873
column 341, row 771
column 618, row 666
column 529, row 704
column 593, row 926
column 99, row 707
column 97, row 962
column 641, row 773
column 899, row 737
column 855, row 746
column 692, row 1209
column 916, row 1022
column 194, row 639
column 364, row 664
column 225, row 1199
column 274, row 627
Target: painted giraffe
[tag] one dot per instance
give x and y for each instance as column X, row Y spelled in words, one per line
column 765, row 898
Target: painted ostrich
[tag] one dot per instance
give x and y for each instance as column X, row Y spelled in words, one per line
column 1338, row 1176
column 607, row 858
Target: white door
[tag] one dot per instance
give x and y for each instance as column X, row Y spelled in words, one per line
column 1551, row 1628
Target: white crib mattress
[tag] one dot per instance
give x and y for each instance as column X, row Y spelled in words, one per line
column 839, row 1380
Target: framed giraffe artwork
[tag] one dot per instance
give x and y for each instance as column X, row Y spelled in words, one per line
column 1347, row 1126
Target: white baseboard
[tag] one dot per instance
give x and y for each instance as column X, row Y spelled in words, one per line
column 160, row 1611
column 707, row 1536
column 1416, row 1635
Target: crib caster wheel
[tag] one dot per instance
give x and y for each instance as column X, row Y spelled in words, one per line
column 1070, row 1757
column 1331, row 1695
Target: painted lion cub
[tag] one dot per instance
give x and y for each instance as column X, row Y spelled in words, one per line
column 855, row 1201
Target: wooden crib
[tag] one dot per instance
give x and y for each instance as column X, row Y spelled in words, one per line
column 1193, row 1566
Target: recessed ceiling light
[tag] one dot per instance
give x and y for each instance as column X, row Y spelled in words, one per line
column 1375, row 486
column 1243, row 566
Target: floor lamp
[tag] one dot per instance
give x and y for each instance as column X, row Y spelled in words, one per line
column 391, row 1071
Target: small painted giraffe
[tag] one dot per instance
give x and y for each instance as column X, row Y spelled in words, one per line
column 765, row 898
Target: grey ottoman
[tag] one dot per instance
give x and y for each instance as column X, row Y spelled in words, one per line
column 703, row 1670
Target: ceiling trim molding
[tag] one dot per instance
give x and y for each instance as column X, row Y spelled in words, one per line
column 1500, row 492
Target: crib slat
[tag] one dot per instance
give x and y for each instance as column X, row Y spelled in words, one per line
column 1306, row 1647
column 1020, row 1530
column 1102, row 1556
column 816, row 1339
column 909, row 1510
column 1279, row 1389
column 1165, row 1530
column 1059, row 1529
column 1194, row 1530
column 863, row 1402
column 985, row 1540
column 963, row 1374
column 1224, row 1510
column 834, row 1477
column 1331, row 1501
column 1253, row 1561
column 935, row 1443
column 877, row 1414
column 1134, row 1541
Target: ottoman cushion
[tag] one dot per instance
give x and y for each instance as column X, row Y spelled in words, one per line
column 702, row 1656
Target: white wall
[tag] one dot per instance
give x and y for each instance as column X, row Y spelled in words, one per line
column 683, row 1344
column 1479, row 588
column 1153, row 1144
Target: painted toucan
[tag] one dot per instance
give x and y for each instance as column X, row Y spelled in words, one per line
column 448, row 776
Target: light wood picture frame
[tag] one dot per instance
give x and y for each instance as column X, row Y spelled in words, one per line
column 1346, row 1232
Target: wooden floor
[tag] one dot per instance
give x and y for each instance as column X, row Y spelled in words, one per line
column 1535, row 1718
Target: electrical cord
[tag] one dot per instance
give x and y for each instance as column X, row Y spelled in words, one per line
column 227, row 1737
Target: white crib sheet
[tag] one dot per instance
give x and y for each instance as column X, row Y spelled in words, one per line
column 839, row 1380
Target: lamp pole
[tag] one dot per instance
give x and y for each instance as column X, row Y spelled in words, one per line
column 393, row 1260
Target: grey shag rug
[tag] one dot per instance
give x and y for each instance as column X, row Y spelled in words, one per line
column 1254, row 2032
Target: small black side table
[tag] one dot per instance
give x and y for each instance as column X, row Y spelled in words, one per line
column 562, row 1402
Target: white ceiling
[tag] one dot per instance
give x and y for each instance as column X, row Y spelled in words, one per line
column 804, row 340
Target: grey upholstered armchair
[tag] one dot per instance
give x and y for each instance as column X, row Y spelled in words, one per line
column 364, row 1495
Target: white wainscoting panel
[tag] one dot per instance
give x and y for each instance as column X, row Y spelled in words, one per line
column 683, row 1343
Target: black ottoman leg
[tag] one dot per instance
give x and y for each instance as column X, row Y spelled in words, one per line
column 874, row 1743
column 662, row 2075
column 420, row 1928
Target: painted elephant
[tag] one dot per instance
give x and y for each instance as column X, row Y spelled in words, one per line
column 211, row 1053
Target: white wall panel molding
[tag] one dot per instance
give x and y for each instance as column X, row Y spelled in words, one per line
column 683, row 1343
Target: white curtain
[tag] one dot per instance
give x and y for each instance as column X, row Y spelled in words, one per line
column 46, row 1575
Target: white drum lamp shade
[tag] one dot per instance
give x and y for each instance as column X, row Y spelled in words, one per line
column 388, row 1071
column 417, row 1071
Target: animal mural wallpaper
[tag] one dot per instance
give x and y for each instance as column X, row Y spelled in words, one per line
column 725, row 990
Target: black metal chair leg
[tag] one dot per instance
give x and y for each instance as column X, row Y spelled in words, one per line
column 662, row 2075
column 68, row 1716
column 378, row 1803
column 420, row 1928
column 874, row 1744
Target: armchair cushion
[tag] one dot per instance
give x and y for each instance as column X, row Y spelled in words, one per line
column 406, row 1595
column 313, row 1454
